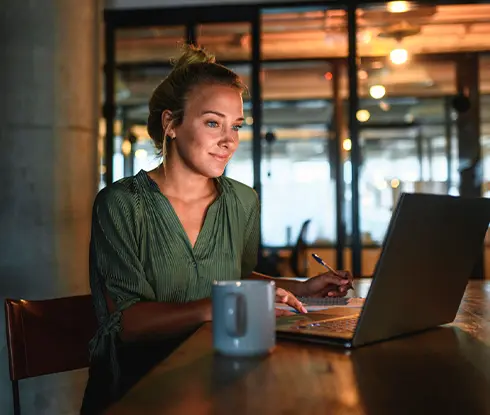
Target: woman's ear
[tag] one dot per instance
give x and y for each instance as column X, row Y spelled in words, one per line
column 168, row 124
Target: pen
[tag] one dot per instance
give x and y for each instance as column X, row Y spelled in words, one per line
column 322, row 262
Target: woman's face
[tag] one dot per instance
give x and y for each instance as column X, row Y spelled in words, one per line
column 208, row 135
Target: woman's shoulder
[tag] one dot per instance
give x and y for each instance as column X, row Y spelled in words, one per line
column 123, row 192
column 245, row 194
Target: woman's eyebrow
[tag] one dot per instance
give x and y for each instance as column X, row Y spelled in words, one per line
column 219, row 114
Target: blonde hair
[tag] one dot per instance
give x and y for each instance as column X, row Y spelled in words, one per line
column 193, row 68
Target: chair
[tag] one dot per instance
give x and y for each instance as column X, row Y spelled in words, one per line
column 48, row 336
column 298, row 260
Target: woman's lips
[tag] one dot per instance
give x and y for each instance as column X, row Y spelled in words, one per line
column 220, row 157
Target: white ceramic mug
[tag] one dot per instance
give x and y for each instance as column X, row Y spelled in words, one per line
column 244, row 319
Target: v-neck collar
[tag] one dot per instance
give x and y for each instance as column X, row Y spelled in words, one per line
column 209, row 217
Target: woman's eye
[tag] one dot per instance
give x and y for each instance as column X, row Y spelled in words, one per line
column 212, row 124
column 237, row 127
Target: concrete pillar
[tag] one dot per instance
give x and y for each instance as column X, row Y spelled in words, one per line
column 49, row 94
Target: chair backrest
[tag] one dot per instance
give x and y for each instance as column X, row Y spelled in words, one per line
column 48, row 336
column 298, row 260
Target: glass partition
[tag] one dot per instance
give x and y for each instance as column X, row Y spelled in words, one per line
column 304, row 33
column 299, row 151
column 148, row 44
column 143, row 57
column 407, row 81
column 227, row 41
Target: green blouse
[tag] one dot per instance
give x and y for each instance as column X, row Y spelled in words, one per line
column 139, row 250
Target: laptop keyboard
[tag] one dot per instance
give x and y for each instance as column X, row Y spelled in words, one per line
column 337, row 326
column 326, row 301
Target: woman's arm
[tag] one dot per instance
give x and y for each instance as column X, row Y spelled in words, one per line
column 151, row 320
column 322, row 285
column 295, row 287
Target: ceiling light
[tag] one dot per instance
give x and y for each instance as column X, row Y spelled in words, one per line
column 399, row 56
column 363, row 115
column 377, row 91
column 398, row 6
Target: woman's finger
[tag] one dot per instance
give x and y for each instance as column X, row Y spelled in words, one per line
column 333, row 291
column 336, row 294
column 292, row 301
column 280, row 312
column 285, row 297
column 346, row 275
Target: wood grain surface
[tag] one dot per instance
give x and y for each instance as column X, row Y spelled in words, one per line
column 441, row 371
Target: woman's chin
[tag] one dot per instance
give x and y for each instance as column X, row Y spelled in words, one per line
column 211, row 170
column 213, row 173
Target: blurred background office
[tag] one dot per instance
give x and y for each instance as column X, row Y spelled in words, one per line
column 348, row 107
column 420, row 116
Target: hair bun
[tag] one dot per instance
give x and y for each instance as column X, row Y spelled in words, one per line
column 193, row 54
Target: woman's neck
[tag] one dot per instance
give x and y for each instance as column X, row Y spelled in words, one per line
column 180, row 182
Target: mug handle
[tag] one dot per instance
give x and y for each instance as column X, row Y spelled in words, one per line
column 235, row 315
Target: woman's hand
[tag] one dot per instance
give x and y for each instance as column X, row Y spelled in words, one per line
column 285, row 297
column 328, row 285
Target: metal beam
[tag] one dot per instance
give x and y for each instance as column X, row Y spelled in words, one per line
column 352, row 66
column 109, row 108
column 338, row 161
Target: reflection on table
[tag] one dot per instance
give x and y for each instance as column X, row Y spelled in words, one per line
column 444, row 370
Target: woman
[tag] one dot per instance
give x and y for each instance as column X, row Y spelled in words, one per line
column 160, row 238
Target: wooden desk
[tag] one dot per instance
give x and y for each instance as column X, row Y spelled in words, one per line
column 442, row 371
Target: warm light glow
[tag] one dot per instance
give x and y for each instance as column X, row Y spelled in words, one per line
column 363, row 115
column 377, row 91
column 347, row 144
column 140, row 132
column 384, row 106
column 249, row 120
column 102, row 128
column 364, row 36
column 398, row 6
column 126, row 147
column 395, row 183
column 118, row 127
column 399, row 56
column 141, row 153
column 328, row 76
column 363, row 75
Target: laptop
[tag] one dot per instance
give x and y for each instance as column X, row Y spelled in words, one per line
column 429, row 252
